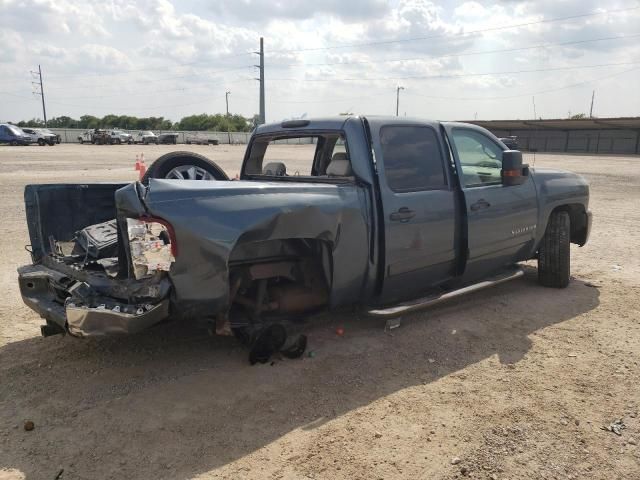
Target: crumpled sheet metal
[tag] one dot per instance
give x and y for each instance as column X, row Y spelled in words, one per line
column 211, row 218
column 84, row 321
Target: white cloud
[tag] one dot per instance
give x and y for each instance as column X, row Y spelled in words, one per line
column 160, row 54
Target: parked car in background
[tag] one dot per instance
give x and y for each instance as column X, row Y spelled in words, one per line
column 13, row 135
column 168, row 138
column 119, row 136
column 86, row 137
column 46, row 131
column 511, row 142
column 145, row 137
column 199, row 139
column 40, row 136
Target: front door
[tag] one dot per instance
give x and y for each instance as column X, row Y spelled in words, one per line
column 501, row 220
column 420, row 208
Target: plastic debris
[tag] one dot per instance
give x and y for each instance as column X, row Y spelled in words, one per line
column 615, row 427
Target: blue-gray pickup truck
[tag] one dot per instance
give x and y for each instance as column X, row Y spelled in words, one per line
column 386, row 214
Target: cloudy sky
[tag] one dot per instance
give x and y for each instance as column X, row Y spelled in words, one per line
column 455, row 59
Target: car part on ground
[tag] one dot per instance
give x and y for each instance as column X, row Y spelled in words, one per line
column 184, row 166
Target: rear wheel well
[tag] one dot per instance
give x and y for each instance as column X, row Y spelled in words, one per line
column 278, row 278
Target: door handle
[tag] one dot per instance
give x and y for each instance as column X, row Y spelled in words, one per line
column 402, row 215
column 480, row 204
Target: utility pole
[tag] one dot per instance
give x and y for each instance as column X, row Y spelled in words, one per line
column 262, row 118
column 591, row 109
column 226, row 96
column 41, row 92
column 535, row 117
column 398, row 99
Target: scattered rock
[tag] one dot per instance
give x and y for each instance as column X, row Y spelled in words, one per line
column 455, row 461
column 29, row 425
column 564, row 422
column 577, row 422
column 464, row 471
column 493, row 476
column 377, row 435
column 632, row 441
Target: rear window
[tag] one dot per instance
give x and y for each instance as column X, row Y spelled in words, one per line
column 299, row 156
column 412, row 158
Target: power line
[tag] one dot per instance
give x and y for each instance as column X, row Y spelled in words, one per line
column 471, row 32
column 145, row 69
column 463, row 54
column 157, row 80
column 454, row 75
column 541, row 92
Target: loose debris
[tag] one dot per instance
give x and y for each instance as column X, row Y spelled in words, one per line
column 615, row 427
column 29, row 425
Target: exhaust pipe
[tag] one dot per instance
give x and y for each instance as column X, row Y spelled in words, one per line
column 426, row 302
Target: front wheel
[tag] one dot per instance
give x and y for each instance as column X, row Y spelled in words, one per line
column 554, row 259
column 41, row 142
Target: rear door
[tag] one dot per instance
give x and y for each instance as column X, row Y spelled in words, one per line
column 419, row 206
column 501, row 220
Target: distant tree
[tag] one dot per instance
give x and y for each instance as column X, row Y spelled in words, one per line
column 577, row 116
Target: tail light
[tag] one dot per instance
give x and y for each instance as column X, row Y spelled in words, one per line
column 152, row 245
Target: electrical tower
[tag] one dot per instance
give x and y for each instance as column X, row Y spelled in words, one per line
column 38, row 75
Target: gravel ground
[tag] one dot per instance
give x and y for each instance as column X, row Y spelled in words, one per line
column 509, row 383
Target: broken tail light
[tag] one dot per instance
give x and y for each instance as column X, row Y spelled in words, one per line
column 152, row 245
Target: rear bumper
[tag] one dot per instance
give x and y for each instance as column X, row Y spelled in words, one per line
column 59, row 300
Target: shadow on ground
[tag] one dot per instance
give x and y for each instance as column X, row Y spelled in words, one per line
column 172, row 403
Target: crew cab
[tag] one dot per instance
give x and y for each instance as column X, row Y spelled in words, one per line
column 386, row 214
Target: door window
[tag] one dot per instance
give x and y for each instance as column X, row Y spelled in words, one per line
column 412, row 158
column 480, row 158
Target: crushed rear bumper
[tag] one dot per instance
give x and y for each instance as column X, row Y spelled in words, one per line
column 73, row 307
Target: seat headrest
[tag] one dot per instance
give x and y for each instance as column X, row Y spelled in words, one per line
column 340, row 165
column 275, row 169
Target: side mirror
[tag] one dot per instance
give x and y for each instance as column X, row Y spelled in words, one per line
column 514, row 172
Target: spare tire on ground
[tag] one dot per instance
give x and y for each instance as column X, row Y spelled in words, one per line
column 184, row 166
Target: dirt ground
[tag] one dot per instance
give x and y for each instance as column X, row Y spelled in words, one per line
column 513, row 382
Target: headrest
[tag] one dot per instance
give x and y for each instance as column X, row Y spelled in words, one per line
column 340, row 165
column 275, row 169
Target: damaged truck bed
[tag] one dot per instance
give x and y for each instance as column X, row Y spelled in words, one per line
column 386, row 210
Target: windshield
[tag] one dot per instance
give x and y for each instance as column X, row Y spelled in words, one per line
column 15, row 130
column 147, row 133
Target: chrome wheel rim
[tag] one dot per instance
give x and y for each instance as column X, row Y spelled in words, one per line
column 189, row 172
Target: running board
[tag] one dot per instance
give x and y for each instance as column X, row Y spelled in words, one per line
column 421, row 303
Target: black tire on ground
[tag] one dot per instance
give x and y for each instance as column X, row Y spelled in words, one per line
column 144, row 142
column 13, row 143
column 51, row 143
column 554, row 258
column 118, row 141
column 81, row 141
column 163, row 165
column 41, row 142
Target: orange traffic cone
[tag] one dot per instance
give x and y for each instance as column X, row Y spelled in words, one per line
column 137, row 163
column 143, row 169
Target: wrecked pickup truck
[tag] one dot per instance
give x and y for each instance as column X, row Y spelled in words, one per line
column 386, row 214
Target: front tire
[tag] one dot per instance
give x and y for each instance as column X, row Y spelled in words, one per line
column 554, row 258
column 41, row 142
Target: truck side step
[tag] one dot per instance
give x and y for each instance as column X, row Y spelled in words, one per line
column 419, row 304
